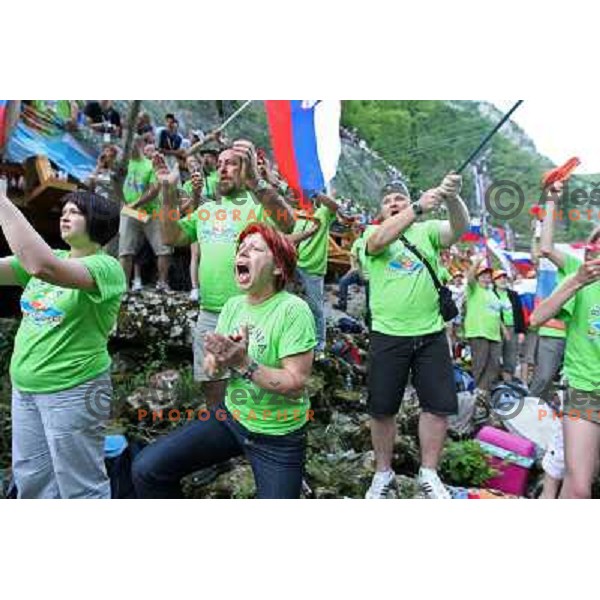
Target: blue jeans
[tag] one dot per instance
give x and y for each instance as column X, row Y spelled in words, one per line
column 314, row 289
column 277, row 461
column 350, row 278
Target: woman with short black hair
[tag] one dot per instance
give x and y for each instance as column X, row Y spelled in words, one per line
column 60, row 364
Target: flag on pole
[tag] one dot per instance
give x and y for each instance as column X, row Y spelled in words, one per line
column 526, row 289
column 498, row 252
column 305, row 136
column 475, row 233
column 521, row 261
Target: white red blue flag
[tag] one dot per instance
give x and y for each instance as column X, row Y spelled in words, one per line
column 305, row 136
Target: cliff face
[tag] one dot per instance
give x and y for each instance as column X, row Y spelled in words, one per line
column 361, row 172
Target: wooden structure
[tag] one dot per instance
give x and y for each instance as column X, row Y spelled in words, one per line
column 42, row 188
column 338, row 261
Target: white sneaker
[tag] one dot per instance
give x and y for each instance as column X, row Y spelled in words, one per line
column 162, row 286
column 432, row 485
column 383, row 482
column 194, row 295
column 137, row 286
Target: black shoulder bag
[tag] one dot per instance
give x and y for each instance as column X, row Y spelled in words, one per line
column 448, row 307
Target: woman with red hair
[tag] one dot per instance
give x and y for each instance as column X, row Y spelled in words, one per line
column 265, row 338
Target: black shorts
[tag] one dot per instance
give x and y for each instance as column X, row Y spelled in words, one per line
column 427, row 358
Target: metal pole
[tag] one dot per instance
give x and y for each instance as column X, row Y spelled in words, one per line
column 489, row 136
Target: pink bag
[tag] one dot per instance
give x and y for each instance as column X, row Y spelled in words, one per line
column 511, row 455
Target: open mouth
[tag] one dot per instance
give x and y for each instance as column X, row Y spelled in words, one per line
column 243, row 273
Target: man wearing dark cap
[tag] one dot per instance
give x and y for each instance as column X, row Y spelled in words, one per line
column 408, row 332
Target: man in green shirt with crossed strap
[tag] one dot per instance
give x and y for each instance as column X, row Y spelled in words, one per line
column 408, row 333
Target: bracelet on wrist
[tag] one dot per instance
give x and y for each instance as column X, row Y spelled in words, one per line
column 417, row 208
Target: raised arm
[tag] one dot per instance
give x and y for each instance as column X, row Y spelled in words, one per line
column 458, row 214
column 213, row 135
column 389, row 231
column 471, row 273
column 299, row 237
column 547, row 247
column 280, row 211
column 172, row 234
column 588, row 273
column 36, row 256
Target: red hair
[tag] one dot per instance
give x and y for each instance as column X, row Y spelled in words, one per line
column 284, row 252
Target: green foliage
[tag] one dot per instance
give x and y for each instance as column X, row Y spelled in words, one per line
column 426, row 139
column 465, row 464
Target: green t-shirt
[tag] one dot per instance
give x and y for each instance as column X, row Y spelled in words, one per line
column 188, row 188
column 63, row 336
column 507, row 311
column 483, row 313
column 560, row 331
column 582, row 352
column 312, row 253
column 140, row 176
column 358, row 251
column 211, row 183
column 403, row 299
column 217, row 225
column 281, row 326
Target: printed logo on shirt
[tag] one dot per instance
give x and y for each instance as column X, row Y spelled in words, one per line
column 404, row 263
column 219, row 232
column 257, row 343
column 39, row 306
column 133, row 185
column 594, row 323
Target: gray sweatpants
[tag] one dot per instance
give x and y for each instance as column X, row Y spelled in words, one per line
column 510, row 349
column 486, row 362
column 58, row 441
column 550, row 353
column 314, row 289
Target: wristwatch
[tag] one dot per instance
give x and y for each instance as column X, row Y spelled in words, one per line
column 262, row 185
column 249, row 371
column 417, row 208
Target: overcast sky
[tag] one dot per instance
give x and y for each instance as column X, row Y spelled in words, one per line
column 561, row 128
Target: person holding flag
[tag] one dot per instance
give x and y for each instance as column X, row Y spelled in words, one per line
column 312, row 260
column 408, row 334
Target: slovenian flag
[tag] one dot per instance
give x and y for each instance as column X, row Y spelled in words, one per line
column 305, row 136
column 526, row 288
column 521, row 261
column 475, row 234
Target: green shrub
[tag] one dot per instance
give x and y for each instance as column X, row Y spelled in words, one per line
column 465, row 464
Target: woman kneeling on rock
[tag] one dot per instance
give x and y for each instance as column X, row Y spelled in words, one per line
column 61, row 387
column 265, row 338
